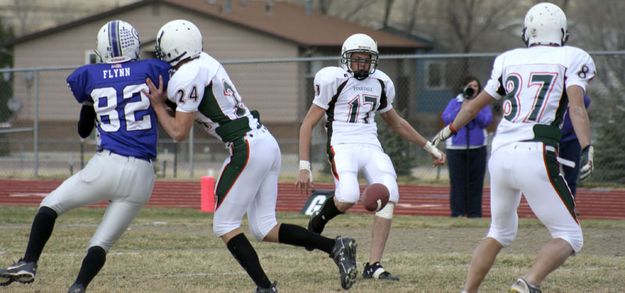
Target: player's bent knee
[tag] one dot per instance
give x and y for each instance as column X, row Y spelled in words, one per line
column 343, row 206
column 577, row 245
column 259, row 235
column 220, row 229
column 347, row 199
column 576, row 242
column 260, row 232
column 386, row 212
column 104, row 245
column 505, row 239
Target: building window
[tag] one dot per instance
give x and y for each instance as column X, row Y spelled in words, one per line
column 91, row 57
column 435, row 75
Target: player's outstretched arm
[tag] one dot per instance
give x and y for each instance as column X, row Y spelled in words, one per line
column 177, row 127
column 468, row 111
column 581, row 125
column 579, row 115
column 407, row 132
column 304, row 176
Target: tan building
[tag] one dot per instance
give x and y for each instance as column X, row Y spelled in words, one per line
column 232, row 30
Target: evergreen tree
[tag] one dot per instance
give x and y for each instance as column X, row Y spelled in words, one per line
column 6, row 60
column 609, row 159
column 398, row 149
column 6, row 88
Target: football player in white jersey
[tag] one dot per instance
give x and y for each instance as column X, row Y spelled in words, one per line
column 537, row 84
column 248, row 181
column 349, row 97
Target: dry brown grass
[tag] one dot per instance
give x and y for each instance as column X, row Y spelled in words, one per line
column 173, row 250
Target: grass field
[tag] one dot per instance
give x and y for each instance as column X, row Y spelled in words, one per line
column 173, row 250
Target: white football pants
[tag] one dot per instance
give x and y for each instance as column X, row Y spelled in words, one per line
column 126, row 181
column 371, row 161
column 248, row 182
column 531, row 169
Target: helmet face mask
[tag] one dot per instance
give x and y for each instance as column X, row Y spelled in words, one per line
column 117, row 41
column 359, row 44
column 178, row 40
column 545, row 24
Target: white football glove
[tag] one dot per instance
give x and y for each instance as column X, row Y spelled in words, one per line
column 443, row 135
column 586, row 163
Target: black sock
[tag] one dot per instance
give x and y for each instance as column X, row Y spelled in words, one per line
column 244, row 253
column 91, row 265
column 298, row 236
column 327, row 213
column 40, row 232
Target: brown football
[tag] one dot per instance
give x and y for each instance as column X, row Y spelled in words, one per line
column 375, row 197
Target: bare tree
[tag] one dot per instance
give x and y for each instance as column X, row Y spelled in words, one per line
column 324, row 6
column 464, row 22
column 599, row 25
column 411, row 22
column 388, row 4
column 24, row 12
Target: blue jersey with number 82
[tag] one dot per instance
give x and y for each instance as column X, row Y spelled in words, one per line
column 126, row 122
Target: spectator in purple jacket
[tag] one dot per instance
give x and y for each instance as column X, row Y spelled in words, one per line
column 570, row 150
column 466, row 153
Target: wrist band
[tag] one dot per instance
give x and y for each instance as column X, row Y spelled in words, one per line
column 430, row 148
column 452, row 128
column 304, row 165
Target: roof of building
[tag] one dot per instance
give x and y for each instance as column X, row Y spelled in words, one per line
column 279, row 19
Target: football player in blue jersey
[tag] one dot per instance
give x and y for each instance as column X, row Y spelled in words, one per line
column 121, row 172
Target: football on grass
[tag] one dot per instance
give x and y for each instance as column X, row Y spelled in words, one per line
column 375, row 197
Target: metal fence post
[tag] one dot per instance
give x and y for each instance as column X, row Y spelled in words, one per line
column 175, row 159
column 36, row 124
column 191, row 141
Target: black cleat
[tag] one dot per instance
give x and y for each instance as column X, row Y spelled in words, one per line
column 344, row 255
column 21, row 271
column 77, row 288
column 272, row 289
column 5, row 278
column 522, row 286
column 377, row 271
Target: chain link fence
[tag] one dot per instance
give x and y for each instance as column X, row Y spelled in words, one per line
column 38, row 114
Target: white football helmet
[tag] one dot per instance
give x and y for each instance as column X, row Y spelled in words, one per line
column 178, row 40
column 117, row 41
column 359, row 43
column 545, row 24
